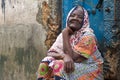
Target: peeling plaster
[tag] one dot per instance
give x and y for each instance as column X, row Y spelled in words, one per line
column 49, row 16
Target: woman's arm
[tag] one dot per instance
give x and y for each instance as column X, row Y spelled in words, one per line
column 56, row 49
column 57, row 56
column 68, row 60
column 62, row 49
column 66, row 41
column 78, row 58
column 67, row 32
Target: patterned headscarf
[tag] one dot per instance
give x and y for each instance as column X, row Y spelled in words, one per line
column 86, row 18
column 85, row 24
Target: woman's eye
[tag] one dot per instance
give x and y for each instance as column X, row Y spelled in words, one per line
column 81, row 17
column 72, row 15
column 78, row 16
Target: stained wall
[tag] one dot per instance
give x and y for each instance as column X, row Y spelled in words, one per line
column 26, row 27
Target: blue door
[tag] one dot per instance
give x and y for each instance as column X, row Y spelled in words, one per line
column 95, row 15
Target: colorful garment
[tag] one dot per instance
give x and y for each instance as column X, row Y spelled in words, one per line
column 83, row 43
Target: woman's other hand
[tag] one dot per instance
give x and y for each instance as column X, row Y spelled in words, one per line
column 68, row 64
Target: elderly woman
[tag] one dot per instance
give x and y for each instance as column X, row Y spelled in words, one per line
column 74, row 55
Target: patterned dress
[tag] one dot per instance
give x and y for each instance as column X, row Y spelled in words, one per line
column 83, row 43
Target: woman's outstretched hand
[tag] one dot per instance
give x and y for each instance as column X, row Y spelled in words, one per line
column 68, row 64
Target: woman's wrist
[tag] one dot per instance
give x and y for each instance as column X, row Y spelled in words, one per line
column 65, row 55
column 67, row 31
column 70, row 31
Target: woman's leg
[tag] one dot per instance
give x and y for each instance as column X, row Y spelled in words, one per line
column 49, row 67
column 44, row 71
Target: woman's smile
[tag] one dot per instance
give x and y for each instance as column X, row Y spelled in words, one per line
column 75, row 19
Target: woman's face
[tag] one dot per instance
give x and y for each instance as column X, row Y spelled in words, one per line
column 75, row 19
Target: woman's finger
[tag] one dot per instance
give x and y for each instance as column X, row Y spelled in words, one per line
column 65, row 68
column 68, row 67
column 73, row 67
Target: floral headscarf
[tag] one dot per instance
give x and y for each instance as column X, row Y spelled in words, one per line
column 85, row 25
column 79, row 40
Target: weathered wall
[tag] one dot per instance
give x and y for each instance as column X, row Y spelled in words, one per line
column 18, row 11
column 112, row 39
column 49, row 15
column 21, row 49
column 23, row 36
